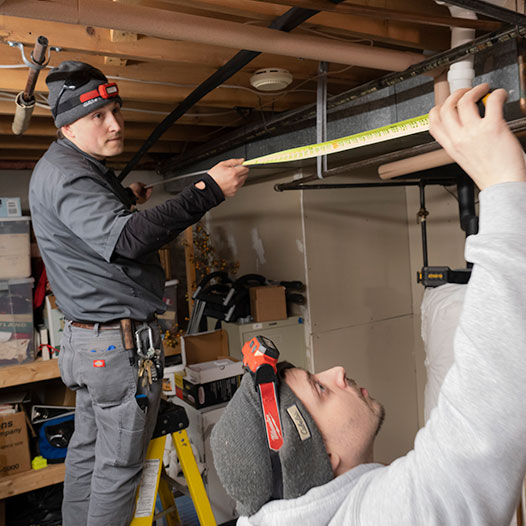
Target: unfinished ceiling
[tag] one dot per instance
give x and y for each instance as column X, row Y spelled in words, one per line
column 160, row 51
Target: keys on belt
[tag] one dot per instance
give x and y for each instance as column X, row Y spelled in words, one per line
column 149, row 358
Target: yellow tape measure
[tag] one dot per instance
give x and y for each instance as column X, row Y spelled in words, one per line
column 385, row 133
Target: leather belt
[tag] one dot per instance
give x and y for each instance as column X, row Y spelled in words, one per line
column 102, row 326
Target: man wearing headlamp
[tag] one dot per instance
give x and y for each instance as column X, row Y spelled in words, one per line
column 102, row 263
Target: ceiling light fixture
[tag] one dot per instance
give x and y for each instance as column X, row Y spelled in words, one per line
column 271, row 79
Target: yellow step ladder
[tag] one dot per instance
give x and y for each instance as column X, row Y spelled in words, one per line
column 172, row 420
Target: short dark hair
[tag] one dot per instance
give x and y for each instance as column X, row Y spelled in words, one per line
column 282, row 368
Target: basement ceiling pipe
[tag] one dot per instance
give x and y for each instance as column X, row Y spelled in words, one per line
column 461, row 73
column 418, row 163
column 191, row 28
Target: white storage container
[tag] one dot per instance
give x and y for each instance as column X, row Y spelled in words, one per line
column 16, row 321
column 15, row 249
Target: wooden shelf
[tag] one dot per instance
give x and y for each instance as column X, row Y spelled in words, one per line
column 31, row 480
column 28, row 372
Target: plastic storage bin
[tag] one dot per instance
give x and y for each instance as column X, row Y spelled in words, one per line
column 16, row 321
column 15, row 249
column 168, row 319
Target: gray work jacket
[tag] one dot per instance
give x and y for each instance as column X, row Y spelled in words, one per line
column 79, row 210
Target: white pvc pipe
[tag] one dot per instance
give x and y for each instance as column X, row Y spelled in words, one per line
column 171, row 25
column 461, row 73
column 414, row 164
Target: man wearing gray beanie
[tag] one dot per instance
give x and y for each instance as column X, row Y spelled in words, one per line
column 468, row 463
column 103, row 266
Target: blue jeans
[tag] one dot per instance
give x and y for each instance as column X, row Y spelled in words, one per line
column 106, row 452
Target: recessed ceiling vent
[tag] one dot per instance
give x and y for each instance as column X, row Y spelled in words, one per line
column 271, row 79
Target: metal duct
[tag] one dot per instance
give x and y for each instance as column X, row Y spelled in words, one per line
column 191, row 28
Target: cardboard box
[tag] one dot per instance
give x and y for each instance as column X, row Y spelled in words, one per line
column 199, row 349
column 202, row 373
column 14, row 444
column 268, row 303
column 10, row 207
column 204, row 347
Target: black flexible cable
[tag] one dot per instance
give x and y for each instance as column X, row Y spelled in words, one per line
column 286, row 22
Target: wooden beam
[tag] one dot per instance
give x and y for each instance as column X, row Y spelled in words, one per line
column 198, row 115
column 381, row 13
column 133, row 91
column 45, row 128
column 42, row 143
column 122, row 36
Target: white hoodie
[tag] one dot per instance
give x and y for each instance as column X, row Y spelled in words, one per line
column 469, row 461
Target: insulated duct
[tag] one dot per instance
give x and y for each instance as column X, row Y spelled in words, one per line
column 192, row 28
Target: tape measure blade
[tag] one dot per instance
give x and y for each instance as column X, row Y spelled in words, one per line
column 357, row 140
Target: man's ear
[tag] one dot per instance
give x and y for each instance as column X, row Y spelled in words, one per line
column 335, row 462
column 67, row 131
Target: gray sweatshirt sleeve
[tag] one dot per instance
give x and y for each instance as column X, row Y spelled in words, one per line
column 469, row 460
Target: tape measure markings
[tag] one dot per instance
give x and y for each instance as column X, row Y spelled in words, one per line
column 357, row 140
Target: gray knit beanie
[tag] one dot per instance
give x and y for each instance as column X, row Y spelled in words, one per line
column 242, row 457
column 69, row 84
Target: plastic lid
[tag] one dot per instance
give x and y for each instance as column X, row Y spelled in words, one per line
column 21, row 218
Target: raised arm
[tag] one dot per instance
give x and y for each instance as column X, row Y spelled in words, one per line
column 469, row 461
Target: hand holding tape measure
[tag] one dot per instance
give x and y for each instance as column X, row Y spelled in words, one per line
column 384, row 133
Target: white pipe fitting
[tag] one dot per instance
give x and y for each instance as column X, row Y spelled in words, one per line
column 461, row 73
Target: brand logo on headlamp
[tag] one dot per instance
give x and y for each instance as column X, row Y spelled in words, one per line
column 106, row 91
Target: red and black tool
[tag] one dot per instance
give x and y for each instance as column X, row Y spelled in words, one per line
column 260, row 357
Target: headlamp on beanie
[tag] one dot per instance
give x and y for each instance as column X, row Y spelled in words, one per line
column 76, row 89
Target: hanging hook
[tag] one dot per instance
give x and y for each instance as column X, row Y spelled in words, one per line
column 31, row 63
